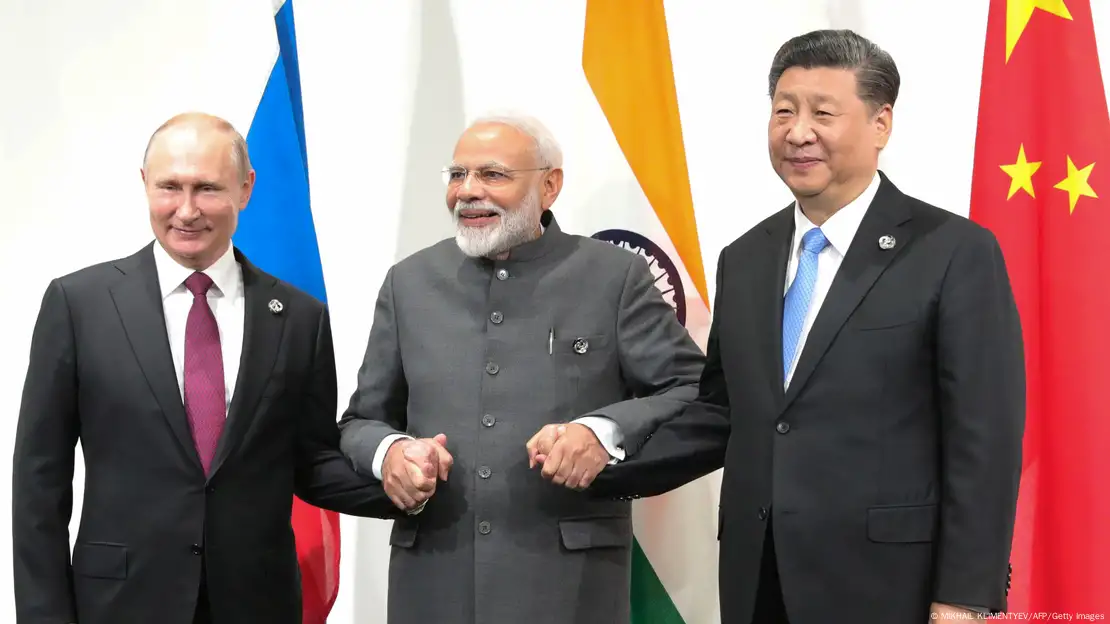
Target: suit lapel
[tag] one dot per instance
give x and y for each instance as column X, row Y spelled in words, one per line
column 262, row 332
column 138, row 300
column 865, row 262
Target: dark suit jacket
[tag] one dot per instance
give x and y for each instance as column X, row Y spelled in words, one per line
column 101, row 372
column 890, row 466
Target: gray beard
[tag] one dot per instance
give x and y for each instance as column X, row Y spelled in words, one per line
column 516, row 227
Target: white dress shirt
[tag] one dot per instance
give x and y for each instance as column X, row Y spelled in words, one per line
column 840, row 229
column 225, row 297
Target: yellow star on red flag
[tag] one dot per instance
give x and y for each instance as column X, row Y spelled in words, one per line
column 1019, row 12
column 1021, row 174
column 1076, row 184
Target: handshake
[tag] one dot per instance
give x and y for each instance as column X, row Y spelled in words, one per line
column 570, row 455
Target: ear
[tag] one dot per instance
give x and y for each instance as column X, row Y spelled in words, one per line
column 552, row 185
column 142, row 174
column 883, row 123
column 245, row 190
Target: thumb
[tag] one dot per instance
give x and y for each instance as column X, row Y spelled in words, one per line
column 445, row 460
column 540, row 445
column 422, row 475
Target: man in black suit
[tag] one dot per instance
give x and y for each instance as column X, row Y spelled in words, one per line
column 203, row 392
column 864, row 389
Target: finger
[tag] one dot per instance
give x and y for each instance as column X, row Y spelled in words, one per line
column 541, row 458
column 587, row 478
column 421, row 477
column 592, row 472
column 443, row 456
column 551, row 464
column 566, row 468
column 398, row 495
column 540, row 444
column 548, row 443
column 577, row 472
column 424, row 455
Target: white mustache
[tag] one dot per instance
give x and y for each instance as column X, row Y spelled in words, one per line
column 484, row 205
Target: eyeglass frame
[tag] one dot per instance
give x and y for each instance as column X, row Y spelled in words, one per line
column 446, row 171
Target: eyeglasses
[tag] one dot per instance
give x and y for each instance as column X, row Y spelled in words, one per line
column 487, row 176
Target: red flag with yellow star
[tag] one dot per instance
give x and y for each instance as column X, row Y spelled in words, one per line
column 1042, row 185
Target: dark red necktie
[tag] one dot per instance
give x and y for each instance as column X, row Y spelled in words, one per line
column 205, row 402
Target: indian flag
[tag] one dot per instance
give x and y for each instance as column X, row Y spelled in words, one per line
column 627, row 61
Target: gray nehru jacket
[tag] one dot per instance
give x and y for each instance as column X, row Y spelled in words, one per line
column 460, row 346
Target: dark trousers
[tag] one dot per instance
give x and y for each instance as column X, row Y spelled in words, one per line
column 769, row 607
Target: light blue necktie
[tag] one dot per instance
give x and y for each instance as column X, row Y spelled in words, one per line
column 796, row 306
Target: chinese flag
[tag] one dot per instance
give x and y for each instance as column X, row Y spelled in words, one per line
column 317, row 534
column 1042, row 185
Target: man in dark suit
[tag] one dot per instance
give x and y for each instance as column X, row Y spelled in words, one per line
column 203, row 393
column 864, row 389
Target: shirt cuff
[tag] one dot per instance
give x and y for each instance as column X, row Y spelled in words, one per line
column 379, row 456
column 608, row 432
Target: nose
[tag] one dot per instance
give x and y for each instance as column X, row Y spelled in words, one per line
column 801, row 132
column 470, row 190
column 187, row 212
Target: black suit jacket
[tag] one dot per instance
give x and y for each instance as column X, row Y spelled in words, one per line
column 890, row 466
column 101, row 372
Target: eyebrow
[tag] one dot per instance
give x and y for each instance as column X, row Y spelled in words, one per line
column 816, row 99
column 489, row 163
column 177, row 181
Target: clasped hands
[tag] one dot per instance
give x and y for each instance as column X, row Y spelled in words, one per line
column 570, row 454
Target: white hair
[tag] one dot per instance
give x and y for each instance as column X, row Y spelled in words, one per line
column 548, row 151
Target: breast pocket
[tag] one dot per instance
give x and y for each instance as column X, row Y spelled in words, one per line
column 586, row 367
column 873, row 319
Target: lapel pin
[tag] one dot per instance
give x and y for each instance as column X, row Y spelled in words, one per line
column 886, row 242
column 276, row 307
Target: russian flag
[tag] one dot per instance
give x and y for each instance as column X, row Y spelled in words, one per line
column 278, row 235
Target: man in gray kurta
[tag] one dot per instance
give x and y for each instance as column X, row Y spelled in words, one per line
column 476, row 344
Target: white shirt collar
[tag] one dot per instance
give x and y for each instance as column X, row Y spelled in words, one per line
column 225, row 272
column 840, row 228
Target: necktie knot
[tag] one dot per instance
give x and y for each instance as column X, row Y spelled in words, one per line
column 198, row 283
column 814, row 241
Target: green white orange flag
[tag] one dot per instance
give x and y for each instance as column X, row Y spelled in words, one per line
column 627, row 61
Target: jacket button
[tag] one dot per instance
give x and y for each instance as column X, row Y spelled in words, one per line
column 782, row 427
column 484, row 527
column 492, row 368
column 502, row 274
column 484, row 472
column 488, row 420
column 496, row 318
column 197, row 549
column 762, row 513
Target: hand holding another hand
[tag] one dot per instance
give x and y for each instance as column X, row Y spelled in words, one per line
column 570, row 454
column 411, row 468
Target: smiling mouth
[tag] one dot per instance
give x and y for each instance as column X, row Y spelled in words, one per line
column 477, row 214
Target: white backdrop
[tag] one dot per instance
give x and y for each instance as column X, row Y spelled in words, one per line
column 387, row 87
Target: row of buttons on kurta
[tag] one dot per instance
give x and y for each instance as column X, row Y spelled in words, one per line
column 485, row 472
column 488, row 420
